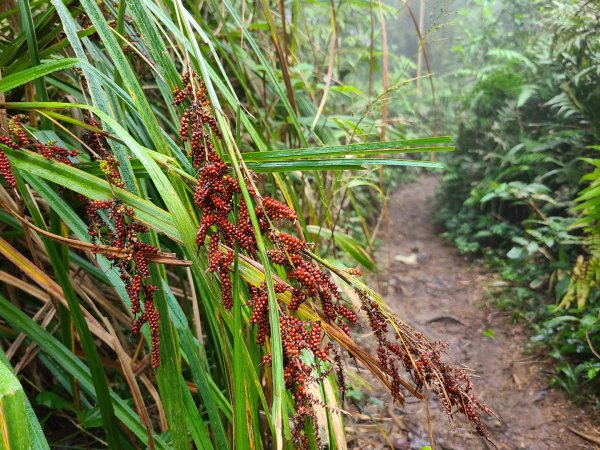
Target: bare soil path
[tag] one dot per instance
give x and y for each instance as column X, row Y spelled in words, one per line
column 437, row 291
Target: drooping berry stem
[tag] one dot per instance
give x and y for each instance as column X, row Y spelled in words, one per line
column 215, row 195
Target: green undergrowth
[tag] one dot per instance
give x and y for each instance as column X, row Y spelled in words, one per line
column 521, row 191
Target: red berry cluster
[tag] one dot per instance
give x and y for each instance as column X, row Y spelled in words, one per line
column 216, row 196
column 15, row 139
column 55, row 152
column 6, row 140
column 133, row 266
column 17, row 129
column 338, row 366
column 98, row 152
column 5, row 169
column 276, row 210
column 266, row 359
column 152, row 317
column 132, row 261
column 297, row 374
column 355, row 272
column 290, row 243
column 423, row 361
column 312, row 281
column 196, row 115
column 84, row 20
column 180, row 95
column 316, row 334
column 123, row 234
column 120, row 231
column 260, row 312
column 215, row 188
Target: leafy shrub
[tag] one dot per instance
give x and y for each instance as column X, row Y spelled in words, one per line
column 526, row 124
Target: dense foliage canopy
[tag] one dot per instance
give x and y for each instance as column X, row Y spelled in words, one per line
column 522, row 187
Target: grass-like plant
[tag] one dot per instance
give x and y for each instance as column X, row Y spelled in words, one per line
column 145, row 189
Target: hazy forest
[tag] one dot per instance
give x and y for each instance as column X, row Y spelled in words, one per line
column 300, row 224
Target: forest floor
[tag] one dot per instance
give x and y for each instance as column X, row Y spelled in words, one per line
column 437, row 291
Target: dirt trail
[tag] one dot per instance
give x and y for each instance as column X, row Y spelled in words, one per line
column 442, row 294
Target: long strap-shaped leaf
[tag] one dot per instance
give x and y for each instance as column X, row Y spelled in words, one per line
column 366, row 148
column 25, row 76
column 14, row 432
column 37, row 440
